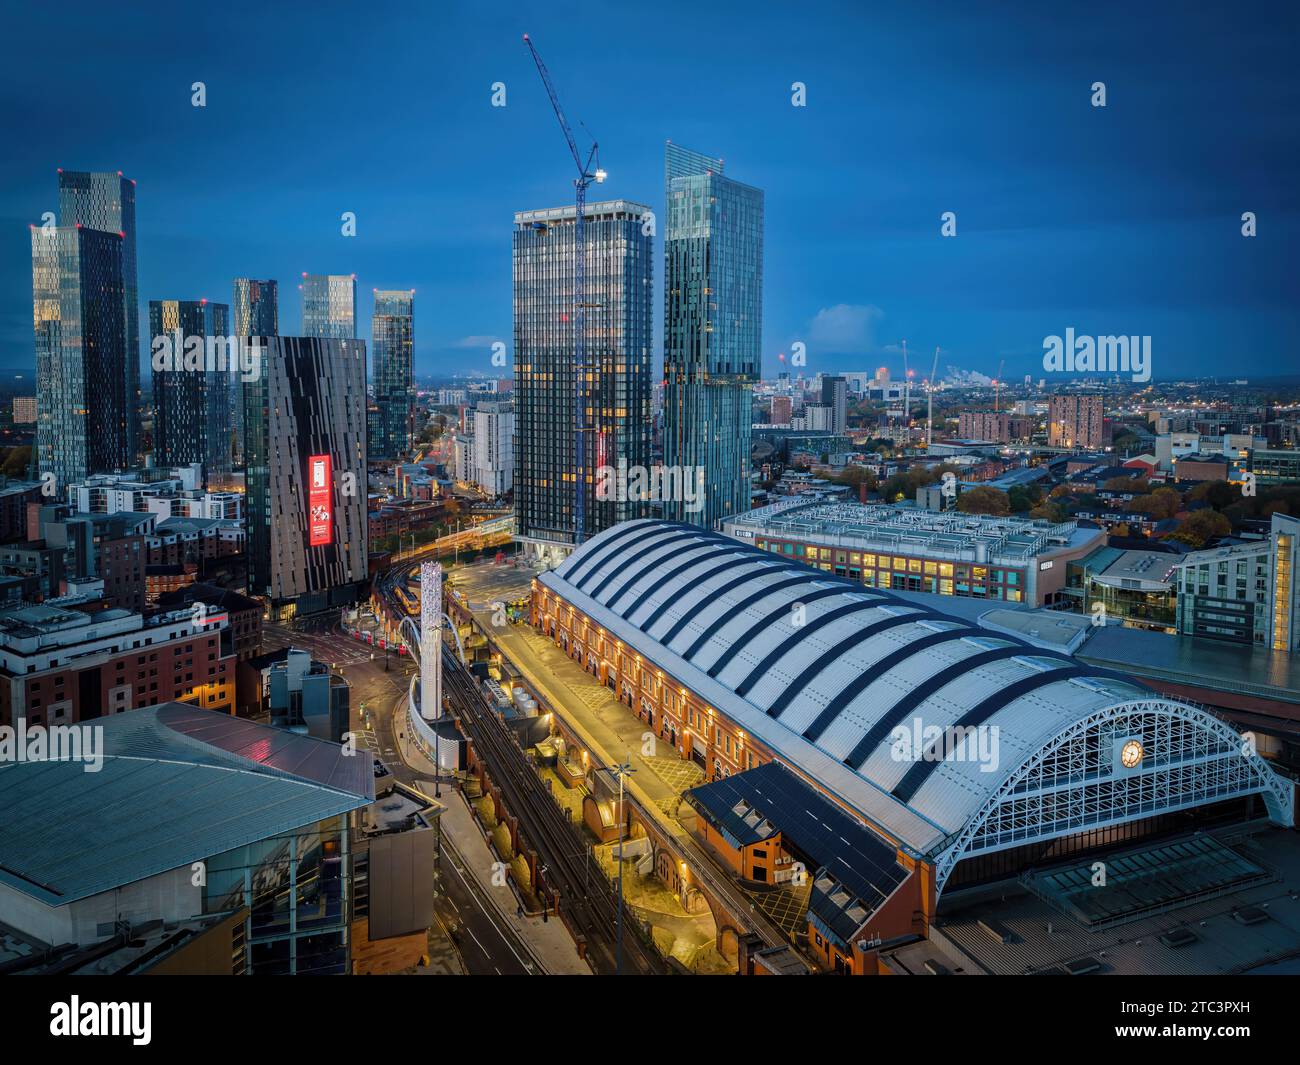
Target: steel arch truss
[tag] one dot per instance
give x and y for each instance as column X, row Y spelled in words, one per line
column 1072, row 784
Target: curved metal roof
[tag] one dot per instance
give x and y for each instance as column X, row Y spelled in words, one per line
column 823, row 670
column 177, row 785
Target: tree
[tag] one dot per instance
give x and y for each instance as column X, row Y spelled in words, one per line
column 1023, row 498
column 1124, row 440
column 1165, row 503
column 984, row 500
column 16, row 462
column 1122, row 484
column 856, row 476
column 1161, row 504
column 1201, row 526
column 1047, row 510
column 1218, row 494
column 904, row 485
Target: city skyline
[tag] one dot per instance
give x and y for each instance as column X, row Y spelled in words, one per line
column 1098, row 227
column 839, row 513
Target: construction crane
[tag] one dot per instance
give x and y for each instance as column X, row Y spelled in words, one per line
column 997, row 389
column 907, row 391
column 586, row 176
column 929, row 414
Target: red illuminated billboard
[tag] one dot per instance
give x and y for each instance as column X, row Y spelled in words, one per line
column 320, row 500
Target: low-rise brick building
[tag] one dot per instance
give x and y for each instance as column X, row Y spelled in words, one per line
column 60, row 664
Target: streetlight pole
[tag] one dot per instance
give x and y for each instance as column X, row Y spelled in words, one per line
column 622, row 772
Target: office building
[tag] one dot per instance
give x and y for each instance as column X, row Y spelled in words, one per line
column 329, row 306
column 461, row 466
column 60, row 665
column 392, row 333
column 305, row 441
column 1275, row 465
column 1134, row 588
column 713, row 323
column 24, row 410
column 835, row 397
column 1074, row 421
column 618, row 343
column 191, row 395
column 493, row 464
column 903, row 548
column 1244, row 593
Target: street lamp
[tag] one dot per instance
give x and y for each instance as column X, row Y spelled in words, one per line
column 622, row 772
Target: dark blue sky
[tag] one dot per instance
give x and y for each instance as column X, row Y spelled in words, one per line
column 1116, row 220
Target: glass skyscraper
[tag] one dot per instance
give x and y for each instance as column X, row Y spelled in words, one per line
column 713, row 321
column 86, row 329
column 80, row 341
column 618, row 333
column 106, row 201
column 256, row 314
column 191, row 398
column 392, row 339
column 329, row 306
column 256, row 307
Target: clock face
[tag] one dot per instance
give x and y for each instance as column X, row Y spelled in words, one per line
column 1131, row 754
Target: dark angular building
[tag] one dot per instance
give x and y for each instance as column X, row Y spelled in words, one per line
column 305, row 441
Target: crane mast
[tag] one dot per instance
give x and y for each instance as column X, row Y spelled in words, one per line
column 929, row 414
column 586, row 176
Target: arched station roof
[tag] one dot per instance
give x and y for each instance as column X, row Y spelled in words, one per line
column 823, row 670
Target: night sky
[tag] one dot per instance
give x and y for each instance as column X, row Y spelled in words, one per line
column 1123, row 219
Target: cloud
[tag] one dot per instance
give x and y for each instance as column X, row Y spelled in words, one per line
column 845, row 329
column 476, row 342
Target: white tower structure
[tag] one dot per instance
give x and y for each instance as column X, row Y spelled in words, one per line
column 430, row 641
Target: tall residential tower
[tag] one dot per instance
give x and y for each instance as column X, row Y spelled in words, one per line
column 191, row 403
column 713, row 320
column 87, row 329
column 256, row 308
column 392, row 338
column 618, row 333
column 329, row 306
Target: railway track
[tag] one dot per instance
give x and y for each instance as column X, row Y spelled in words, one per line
column 587, row 901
